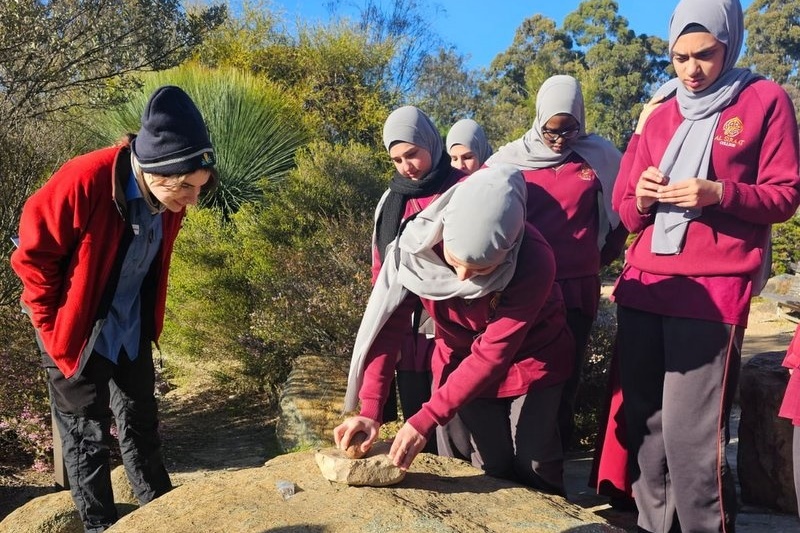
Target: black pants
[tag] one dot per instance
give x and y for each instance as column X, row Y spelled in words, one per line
column 83, row 407
column 517, row 438
column 581, row 327
column 678, row 379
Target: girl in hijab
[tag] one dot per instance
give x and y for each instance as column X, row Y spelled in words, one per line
column 422, row 174
column 714, row 167
column 486, row 279
column 467, row 146
column 570, row 176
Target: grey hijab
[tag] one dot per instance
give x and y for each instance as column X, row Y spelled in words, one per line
column 689, row 151
column 409, row 124
column 480, row 221
column 469, row 133
column 559, row 95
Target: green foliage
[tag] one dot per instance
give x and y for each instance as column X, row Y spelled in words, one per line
column 336, row 74
column 446, row 89
column 24, row 405
column 773, row 39
column 785, row 250
column 254, row 128
column 313, row 277
column 207, row 302
column 617, row 70
column 279, row 278
column 72, row 53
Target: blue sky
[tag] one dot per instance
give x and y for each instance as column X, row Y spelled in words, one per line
column 484, row 28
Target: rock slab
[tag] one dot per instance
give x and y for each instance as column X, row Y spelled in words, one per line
column 437, row 495
column 373, row 470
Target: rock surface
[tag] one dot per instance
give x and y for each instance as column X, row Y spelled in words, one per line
column 373, row 470
column 437, row 495
column 765, row 441
column 55, row 513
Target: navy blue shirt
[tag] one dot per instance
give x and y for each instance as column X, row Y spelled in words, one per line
column 122, row 327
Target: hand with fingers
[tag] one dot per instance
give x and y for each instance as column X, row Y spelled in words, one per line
column 691, row 193
column 406, row 445
column 347, row 435
column 650, row 183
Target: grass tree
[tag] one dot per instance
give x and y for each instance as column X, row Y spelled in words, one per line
column 254, row 127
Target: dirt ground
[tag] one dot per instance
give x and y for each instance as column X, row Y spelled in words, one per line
column 203, row 431
column 209, row 430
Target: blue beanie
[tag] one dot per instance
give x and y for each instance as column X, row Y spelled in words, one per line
column 173, row 138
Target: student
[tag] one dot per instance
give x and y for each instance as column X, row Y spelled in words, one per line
column 467, row 146
column 423, row 173
column 94, row 250
column 609, row 474
column 714, row 167
column 486, row 278
column 570, row 176
column 790, row 407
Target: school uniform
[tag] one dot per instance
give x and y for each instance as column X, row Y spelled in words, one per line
column 682, row 315
column 569, row 201
column 491, row 349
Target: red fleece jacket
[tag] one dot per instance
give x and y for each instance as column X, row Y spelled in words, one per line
column 71, row 233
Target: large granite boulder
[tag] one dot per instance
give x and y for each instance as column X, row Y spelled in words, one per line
column 311, row 403
column 765, row 440
column 55, row 513
column 438, row 494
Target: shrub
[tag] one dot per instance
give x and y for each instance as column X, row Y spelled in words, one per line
column 24, row 405
column 785, row 249
column 592, row 397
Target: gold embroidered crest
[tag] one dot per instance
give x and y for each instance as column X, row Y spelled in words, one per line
column 733, row 127
column 586, row 173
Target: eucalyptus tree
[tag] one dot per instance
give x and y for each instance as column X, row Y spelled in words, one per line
column 61, row 54
column 538, row 50
column 405, row 25
column 773, row 40
column 334, row 72
column 446, row 88
column 618, row 70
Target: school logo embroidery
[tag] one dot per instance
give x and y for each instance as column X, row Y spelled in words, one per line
column 586, row 173
column 731, row 130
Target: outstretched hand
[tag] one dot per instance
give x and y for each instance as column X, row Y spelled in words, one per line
column 406, row 445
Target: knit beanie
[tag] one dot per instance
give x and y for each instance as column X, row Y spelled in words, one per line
column 173, row 138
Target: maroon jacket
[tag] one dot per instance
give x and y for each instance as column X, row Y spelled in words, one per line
column 500, row 345
column 73, row 236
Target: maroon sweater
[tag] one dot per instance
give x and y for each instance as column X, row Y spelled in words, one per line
column 755, row 156
column 497, row 346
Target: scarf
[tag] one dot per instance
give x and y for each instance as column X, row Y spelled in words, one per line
column 401, row 189
column 469, row 133
column 408, row 124
column 688, row 153
column 479, row 220
column 562, row 95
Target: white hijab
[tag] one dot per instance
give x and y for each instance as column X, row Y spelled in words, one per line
column 562, row 95
column 480, row 221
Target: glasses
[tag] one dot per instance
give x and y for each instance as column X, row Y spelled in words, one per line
column 554, row 135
